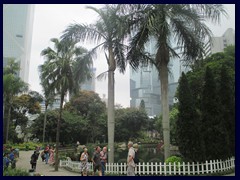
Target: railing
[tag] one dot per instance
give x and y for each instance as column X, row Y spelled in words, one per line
column 213, row 166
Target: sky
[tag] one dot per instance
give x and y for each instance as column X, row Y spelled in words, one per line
column 50, row 20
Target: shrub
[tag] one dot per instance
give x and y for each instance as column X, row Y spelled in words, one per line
column 15, row 172
column 173, row 159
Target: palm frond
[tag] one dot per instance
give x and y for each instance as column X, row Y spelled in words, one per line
column 102, row 76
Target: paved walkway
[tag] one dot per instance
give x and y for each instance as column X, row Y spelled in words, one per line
column 44, row 169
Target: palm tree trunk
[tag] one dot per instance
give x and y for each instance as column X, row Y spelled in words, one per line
column 165, row 109
column 45, row 120
column 111, row 123
column 58, row 132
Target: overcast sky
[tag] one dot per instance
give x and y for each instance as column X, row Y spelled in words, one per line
column 51, row 19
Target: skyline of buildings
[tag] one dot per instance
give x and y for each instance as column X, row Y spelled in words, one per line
column 145, row 84
column 17, row 36
column 17, row 32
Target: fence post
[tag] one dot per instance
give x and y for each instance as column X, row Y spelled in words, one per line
column 184, row 168
column 143, row 168
column 221, row 165
column 169, row 168
column 147, row 167
column 193, row 168
column 214, row 166
column 189, row 172
column 160, row 168
column 152, row 168
column 211, row 169
column 174, row 168
column 179, row 168
column 217, row 163
column 207, row 167
column 156, row 168
column 165, row 169
column 198, row 168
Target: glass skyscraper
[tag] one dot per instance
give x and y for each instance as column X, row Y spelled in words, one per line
column 17, row 35
column 145, row 84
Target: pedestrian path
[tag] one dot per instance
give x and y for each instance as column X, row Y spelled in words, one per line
column 23, row 162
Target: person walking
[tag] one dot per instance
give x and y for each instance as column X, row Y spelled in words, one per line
column 130, row 160
column 84, row 161
column 97, row 162
column 46, row 152
column 33, row 161
column 103, row 158
column 136, row 158
column 51, row 156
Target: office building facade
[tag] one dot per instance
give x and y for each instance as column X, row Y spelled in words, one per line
column 17, row 35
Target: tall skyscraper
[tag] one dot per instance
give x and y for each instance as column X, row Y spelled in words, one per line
column 17, row 35
column 145, row 84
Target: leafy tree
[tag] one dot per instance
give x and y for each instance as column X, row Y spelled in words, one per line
column 108, row 32
column 223, row 69
column 182, row 24
column 188, row 124
column 89, row 105
column 12, row 85
column 129, row 123
column 66, row 68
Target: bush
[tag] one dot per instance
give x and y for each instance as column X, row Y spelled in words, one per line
column 23, row 146
column 173, row 159
column 15, row 172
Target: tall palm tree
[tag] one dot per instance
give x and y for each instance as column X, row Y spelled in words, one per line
column 48, row 95
column 65, row 69
column 108, row 32
column 182, row 24
column 12, row 85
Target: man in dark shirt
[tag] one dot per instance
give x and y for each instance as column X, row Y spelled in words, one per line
column 33, row 161
column 96, row 161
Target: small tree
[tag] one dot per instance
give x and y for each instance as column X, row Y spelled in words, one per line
column 189, row 136
column 212, row 133
column 142, row 105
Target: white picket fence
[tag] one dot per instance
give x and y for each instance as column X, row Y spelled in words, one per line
column 159, row 168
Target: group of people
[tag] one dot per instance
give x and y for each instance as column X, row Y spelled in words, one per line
column 47, row 155
column 10, row 158
column 99, row 159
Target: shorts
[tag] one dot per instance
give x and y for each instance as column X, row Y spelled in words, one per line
column 97, row 167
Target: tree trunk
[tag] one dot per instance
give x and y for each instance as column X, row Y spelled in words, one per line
column 162, row 59
column 44, row 123
column 58, row 132
column 165, row 109
column 111, row 123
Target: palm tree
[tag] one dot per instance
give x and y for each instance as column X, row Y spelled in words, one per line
column 48, row 95
column 108, row 32
column 65, row 69
column 181, row 23
column 12, row 85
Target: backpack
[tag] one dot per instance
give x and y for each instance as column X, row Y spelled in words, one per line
column 136, row 160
